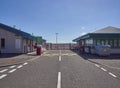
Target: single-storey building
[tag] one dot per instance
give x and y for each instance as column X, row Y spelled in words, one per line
column 40, row 40
column 13, row 40
column 106, row 36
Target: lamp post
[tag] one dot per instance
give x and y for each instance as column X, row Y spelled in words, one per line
column 56, row 37
column 56, row 40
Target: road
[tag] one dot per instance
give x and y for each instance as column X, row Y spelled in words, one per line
column 58, row 69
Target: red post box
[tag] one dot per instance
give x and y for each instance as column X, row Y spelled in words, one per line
column 38, row 51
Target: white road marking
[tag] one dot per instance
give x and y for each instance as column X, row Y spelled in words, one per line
column 3, row 70
column 2, row 76
column 12, row 66
column 103, row 69
column 20, row 66
column 97, row 65
column 112, row 74
column 59, row 58
column 106, row 70
column 25, row 63
column 59, row 80
column 112, row 67
column 12, row 70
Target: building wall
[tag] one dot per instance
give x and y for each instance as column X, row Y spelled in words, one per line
column 115, row 51
column 10, row 40
column 24, row 46
column 27, row 45
column 115, row 45
column 81, row 43
column 30, row 45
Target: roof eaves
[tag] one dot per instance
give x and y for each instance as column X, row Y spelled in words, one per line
column 16, row 31
column 82, row 37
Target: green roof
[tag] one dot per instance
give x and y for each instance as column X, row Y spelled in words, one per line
column 17, row 32
column 105, row 33
column 38, row 39
column 99, row 35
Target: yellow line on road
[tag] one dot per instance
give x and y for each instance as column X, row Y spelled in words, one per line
column 66, row 54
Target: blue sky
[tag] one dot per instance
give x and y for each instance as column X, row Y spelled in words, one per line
column 69, row 18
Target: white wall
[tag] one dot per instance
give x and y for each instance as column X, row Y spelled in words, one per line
column 9, row 42
column 115, row 51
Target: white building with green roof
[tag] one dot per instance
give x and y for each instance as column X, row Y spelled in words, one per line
column 106, row 36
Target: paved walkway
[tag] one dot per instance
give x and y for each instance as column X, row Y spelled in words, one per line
column 10, row 59
column 110, row 61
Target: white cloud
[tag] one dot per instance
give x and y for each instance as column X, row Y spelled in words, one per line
column 83, row 33
column 82, row 27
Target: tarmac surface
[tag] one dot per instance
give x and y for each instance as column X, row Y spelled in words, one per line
column 61, row 69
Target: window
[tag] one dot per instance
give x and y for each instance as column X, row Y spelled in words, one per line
column 102, row 42
column 89, row 41
column 111, row 43
column 115, row 43
column 98, row 42
column 119, row 43
column 2, row 43
column 106, row 42
column 95, row 42
column 83, row 43
column 18, row 44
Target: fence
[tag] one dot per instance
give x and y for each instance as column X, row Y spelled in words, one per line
column 63, row 46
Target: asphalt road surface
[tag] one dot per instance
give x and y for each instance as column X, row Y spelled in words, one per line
column 58, row 69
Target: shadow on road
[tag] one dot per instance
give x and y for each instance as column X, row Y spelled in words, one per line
column 94, row 56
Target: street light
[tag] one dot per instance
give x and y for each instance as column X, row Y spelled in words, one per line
column 56, row 39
